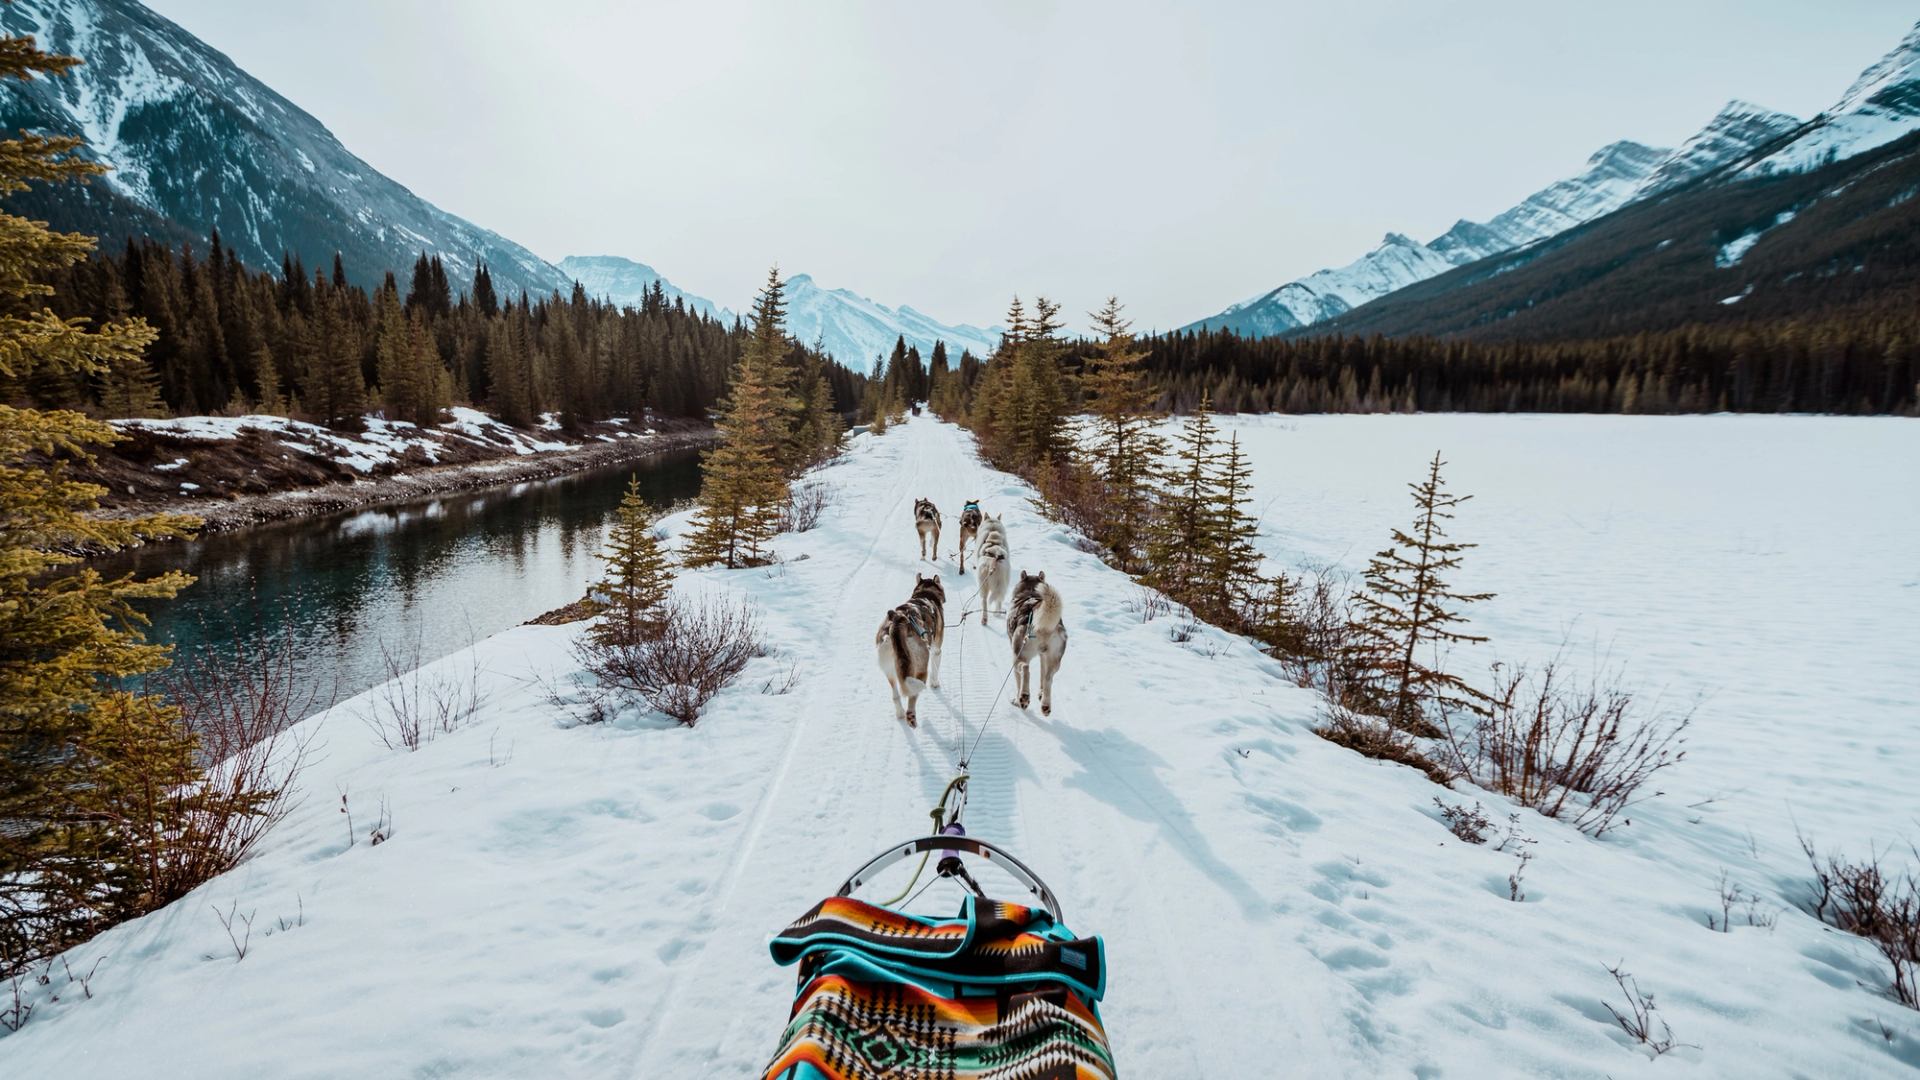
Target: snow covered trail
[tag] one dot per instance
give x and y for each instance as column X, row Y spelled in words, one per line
column 1076, row 797
column 596, row 901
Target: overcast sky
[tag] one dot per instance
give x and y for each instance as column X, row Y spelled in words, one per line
column 1182, row 155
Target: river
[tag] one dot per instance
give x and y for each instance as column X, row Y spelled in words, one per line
column 423, row 578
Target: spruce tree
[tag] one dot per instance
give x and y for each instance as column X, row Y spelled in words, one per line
column 639, row 575
column 742, row 482
column 267, row 372
column 1120, row 443
column 1231, row 578
column 67, row 635
column 1408, row 607
column 1184, row 541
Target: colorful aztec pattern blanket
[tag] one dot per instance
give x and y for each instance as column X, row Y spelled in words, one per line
column 1002, row 992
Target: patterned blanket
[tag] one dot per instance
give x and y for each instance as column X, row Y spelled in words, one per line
column 1003, row 992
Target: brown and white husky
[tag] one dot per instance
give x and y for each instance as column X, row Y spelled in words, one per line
column 995, row 567
column 969, row 528
column 908, row 644
column 926, row 522
column 1037, row 630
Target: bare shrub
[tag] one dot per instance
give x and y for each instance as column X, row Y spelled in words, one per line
column 1469, row 823
column 1641, row 1020
column 804, row 506
column 241, row 717
column 1073, row 495
column 412, row 707
column 1582, row 753
column 697, row 650
column 1733, row 896
column 1376, row 739
column 1875, row 903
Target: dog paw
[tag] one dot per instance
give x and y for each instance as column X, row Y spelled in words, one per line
column 1046, row 710
column 912, row 721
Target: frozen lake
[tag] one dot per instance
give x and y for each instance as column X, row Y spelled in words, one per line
column 1769, row 566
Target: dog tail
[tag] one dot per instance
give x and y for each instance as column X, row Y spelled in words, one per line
column 897, row 631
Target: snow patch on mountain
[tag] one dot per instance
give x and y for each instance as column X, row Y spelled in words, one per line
column 1733, row 251
column 1882, row 105
column 1612, row 177
column 1736, row 131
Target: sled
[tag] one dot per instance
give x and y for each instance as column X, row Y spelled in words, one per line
column 1001, row 991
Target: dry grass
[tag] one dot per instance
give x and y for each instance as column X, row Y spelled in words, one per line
column 1375, row 739
column 414, row 706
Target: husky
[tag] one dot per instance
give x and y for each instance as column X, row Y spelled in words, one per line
column 1037, row 630
column 969, row 528
column 926, row 522
column 908, row 644
column 995, row 565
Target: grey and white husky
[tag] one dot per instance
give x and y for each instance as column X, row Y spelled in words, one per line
column 926, row 522
column 1037, row 630
column 969, row 528
column 995, row 566
column 908, row 644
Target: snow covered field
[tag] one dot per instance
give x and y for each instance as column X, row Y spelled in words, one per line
column 596, row 901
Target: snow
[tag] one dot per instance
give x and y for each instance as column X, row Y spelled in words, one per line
column 596, row 902
column 383, row 444
column 1736, row 249
column 1882, row 105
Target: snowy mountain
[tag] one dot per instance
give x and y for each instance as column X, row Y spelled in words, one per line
column 1738, row 129
column 198, row 144
column 856, row 331
column 1616, row 175
column 1882, row 105
column 625, row 282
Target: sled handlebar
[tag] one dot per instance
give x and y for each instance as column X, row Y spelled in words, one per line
column 979, row 849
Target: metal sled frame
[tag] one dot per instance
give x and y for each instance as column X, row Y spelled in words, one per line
column 950, row 866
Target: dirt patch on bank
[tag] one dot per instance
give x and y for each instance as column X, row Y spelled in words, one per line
column 261, row 475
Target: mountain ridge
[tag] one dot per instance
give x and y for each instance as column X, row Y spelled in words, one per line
column 196, row 141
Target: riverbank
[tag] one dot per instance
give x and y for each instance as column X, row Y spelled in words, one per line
column 239, row 472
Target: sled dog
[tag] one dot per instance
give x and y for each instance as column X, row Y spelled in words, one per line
column 969, row 529
column 995, row 566
column 926, row 522
column 1037, row 630
column 908, row 644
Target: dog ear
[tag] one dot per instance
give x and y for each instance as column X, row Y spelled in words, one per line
column 1025, row 577
column 1041, row 576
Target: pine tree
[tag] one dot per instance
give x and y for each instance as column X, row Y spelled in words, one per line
column 639, row 575
column 1120, row 443
column 1408, row 607
column 67, row 636
column 742, row 482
